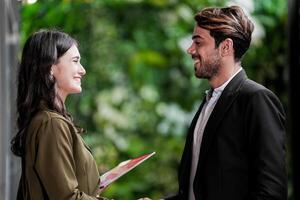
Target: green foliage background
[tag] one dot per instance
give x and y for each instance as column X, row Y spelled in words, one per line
column 140, row 94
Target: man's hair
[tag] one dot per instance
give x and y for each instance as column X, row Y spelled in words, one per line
column 229, row 22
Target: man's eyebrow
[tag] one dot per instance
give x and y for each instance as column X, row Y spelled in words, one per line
column 196, row 36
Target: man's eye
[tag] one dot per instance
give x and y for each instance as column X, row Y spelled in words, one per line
column 76, row 61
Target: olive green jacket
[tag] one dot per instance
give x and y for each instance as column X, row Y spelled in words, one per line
column 58, row 165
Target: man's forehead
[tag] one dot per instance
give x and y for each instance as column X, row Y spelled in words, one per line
column 200, row 32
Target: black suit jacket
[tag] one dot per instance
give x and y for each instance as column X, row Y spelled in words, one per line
column 242, row 155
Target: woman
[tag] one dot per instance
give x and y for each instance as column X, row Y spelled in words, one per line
column 56, row 164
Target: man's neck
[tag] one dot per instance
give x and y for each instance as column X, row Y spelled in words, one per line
column 225, row 73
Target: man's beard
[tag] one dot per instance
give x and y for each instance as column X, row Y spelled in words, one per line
column 208, row 68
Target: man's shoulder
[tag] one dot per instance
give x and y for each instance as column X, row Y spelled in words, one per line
column 250, row 87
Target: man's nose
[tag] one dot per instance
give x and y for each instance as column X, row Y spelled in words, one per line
column 191, row 50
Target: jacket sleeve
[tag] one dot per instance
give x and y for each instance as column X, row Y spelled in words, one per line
column 54, row 162
column 266, row 130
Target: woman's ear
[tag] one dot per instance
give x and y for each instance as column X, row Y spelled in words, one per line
column 53, row 71
column 51, row 74
column 227, row 47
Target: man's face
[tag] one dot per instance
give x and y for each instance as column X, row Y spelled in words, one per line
column 206, row 57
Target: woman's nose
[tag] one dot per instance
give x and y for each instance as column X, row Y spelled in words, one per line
column 82, row 70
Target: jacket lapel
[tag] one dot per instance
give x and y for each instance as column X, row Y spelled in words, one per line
column 185, row 164
column 224, row 103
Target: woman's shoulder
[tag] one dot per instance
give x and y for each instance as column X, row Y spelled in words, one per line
column 47, row 116
column 50, row 126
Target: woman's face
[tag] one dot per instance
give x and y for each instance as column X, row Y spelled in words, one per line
column 68, row 73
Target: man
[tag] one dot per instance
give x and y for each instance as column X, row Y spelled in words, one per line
column 235, row 147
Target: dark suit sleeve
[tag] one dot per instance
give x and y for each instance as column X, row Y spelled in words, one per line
column 266, row 133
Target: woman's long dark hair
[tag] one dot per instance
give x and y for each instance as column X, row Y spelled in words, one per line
column 35, row 83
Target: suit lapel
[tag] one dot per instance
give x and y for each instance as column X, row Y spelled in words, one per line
column 185, row 164
column 224, row 103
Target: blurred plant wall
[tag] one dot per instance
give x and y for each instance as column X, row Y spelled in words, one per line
column 139, row 93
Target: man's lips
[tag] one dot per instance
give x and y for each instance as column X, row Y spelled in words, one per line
column 196, row 61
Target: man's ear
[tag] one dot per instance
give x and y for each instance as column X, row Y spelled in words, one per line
column 226, row 47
